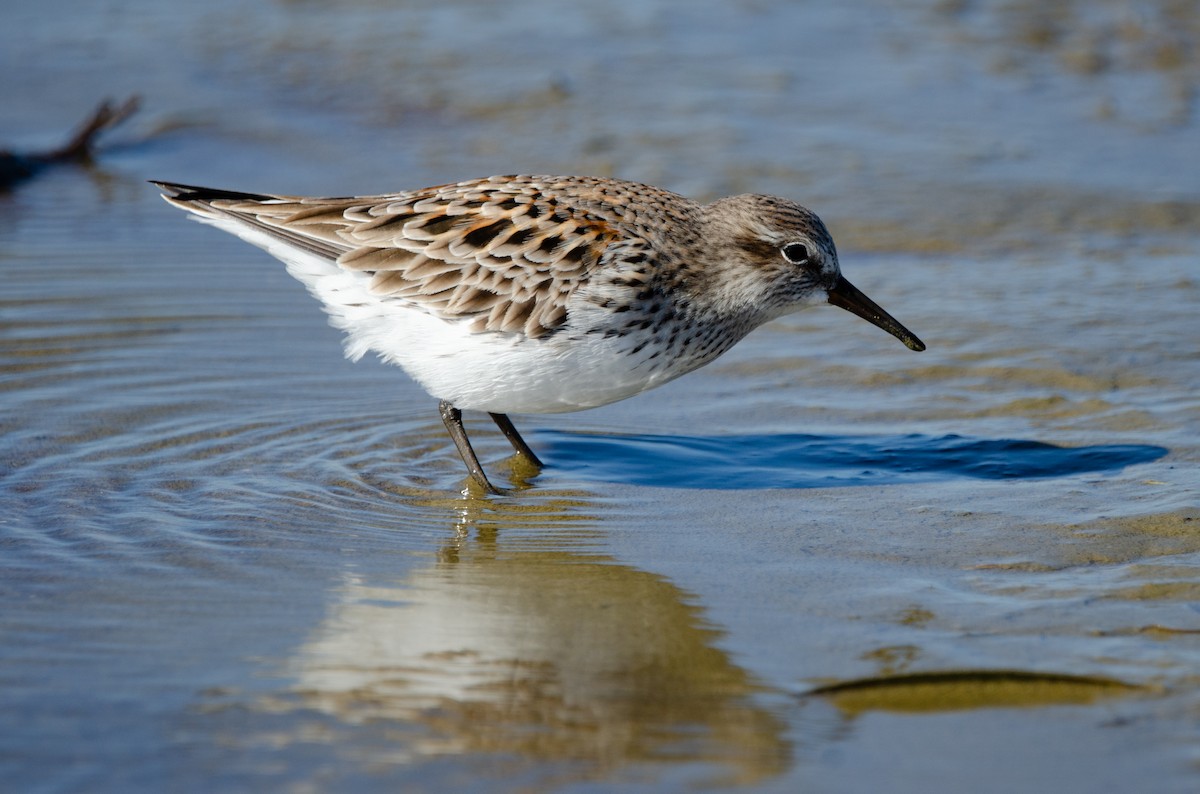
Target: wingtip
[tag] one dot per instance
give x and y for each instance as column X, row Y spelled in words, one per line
column 168, row 188
column 180, row 192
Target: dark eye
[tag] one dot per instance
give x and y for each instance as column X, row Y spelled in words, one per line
column 796, row 253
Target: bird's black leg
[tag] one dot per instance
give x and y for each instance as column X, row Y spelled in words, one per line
column 452, row 417
column 506, row 427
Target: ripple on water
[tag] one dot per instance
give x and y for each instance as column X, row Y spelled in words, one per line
column 146, row 481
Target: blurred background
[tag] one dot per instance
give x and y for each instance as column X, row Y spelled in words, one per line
column 234, row 561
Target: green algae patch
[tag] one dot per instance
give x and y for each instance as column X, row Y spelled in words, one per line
column 969, row 689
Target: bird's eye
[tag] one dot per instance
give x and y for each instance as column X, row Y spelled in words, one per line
column 796, row 253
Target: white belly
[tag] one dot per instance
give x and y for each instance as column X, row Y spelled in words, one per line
column 503, row 373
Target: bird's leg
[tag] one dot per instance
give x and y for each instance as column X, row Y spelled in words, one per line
column 452, row 417
column 506, row 427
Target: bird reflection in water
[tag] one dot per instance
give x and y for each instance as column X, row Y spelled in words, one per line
column 529, row 645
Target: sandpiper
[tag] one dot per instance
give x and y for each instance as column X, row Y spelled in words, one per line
column 542, row 294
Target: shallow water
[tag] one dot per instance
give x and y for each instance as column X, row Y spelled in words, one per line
column 234, row 561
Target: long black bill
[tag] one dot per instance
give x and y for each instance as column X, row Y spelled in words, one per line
column 846, row 296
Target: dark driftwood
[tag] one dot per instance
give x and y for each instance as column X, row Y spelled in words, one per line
column 17, row 166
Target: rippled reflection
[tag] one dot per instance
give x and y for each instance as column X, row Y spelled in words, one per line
column 540, row 650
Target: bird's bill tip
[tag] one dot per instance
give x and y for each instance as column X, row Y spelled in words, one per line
column 846, row 296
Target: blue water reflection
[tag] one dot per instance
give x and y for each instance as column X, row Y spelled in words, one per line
column 811, row 461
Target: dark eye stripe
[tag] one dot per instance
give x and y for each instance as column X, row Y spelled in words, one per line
column 758, row 249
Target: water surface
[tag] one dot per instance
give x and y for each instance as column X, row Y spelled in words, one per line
column 234, row 561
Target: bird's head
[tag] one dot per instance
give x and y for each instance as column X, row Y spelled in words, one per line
column 779, row 257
